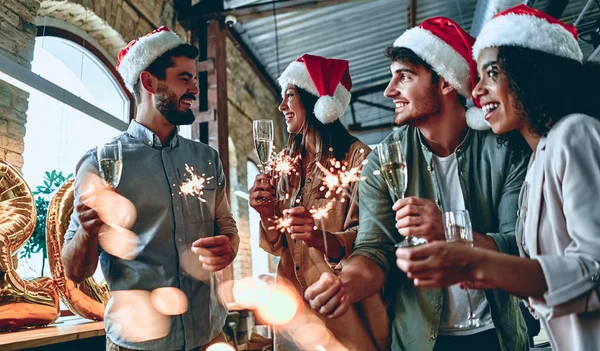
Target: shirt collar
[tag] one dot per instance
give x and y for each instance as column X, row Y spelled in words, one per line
column 145, row 135
column 460, row 148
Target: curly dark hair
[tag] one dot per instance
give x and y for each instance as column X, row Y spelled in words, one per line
column 546, row 88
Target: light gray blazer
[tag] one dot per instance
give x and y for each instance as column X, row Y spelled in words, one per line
column 559, row 225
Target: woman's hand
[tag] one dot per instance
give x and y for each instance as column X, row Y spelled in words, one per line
column 438, row 264
column 303, row 228
column 262, row 196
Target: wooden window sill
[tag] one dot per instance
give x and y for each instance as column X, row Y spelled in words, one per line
column 65, row 329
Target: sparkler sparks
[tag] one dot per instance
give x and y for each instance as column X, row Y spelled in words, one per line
column 283, row 164
column 321, row 212
column 195, row 185
column 338, row 177
column 282, row 224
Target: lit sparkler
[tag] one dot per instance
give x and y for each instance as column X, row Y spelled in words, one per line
column 319, row 214
column 282, row 224
column 283, row 164
column 195, row 185
column 337, row 180
column 338, row 177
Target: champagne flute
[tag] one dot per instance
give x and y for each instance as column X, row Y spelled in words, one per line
column 457, row 227
column 395, row 173
column 110, row 162
column 263, row 140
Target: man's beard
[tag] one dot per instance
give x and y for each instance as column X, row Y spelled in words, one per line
column 167, row 104
column 426, row 105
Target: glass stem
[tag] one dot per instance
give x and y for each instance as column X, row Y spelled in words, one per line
column 469, row 308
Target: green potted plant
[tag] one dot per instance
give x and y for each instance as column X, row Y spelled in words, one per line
column 43, row 194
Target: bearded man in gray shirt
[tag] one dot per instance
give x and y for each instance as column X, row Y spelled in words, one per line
column 160, row 70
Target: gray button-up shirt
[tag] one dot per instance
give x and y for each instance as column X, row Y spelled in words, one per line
column 167, row 224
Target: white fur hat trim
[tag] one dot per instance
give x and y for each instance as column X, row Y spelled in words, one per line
column 440, row 56
column 528, row 32
column 145, row 51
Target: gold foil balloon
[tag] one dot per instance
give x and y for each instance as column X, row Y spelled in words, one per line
column 22, row 303
column 87, row 299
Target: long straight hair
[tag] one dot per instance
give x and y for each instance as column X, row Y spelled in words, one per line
column 332, row 140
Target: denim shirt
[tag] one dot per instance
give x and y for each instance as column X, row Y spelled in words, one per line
column 490, row 180
column 167, row 224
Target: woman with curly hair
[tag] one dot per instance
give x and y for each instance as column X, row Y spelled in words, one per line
column 534, row 86
column 315, row 92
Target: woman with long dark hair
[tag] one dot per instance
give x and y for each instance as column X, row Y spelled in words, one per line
column 315, row 92
column 535, row 90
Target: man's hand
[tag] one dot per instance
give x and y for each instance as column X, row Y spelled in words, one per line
column 89, row 219
column 262, row 196
column 327, row 296
column 214, row 252
column 420, row 218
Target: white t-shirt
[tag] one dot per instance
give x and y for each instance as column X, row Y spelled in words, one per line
column 454, row 310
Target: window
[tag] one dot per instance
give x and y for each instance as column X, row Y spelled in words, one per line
column 262, row 262
column 57, row 133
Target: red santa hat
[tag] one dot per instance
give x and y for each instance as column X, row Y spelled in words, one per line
column 529, row 28
column 329, row 79
column 139, row 54
column 446, row 47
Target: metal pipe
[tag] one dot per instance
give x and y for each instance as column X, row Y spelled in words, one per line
column 583, row 12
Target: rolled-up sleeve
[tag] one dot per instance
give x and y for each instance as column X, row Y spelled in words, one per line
column 573, row 278
column 88, row 163
column 275, row 248
column 507, row 208
column 375, row 203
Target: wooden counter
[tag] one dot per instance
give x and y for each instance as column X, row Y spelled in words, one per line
column 65, row 329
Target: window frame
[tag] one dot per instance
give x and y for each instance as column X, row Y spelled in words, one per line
column 51, row 31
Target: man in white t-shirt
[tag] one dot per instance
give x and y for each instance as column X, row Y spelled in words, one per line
column 450, row 167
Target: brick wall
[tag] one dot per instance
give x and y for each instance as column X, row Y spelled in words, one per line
column 248, row 99
column 112, row 23
column 17, row 36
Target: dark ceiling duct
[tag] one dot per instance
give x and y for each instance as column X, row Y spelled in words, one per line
column 554, row 8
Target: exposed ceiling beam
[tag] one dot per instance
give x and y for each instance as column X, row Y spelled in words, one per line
column 370, row 90
column 412, row 13
column 375, row 104
column 581, row 16
column 261, row 10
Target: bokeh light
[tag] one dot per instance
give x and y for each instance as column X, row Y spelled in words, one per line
column 220, row 347
column 133, row 317
column 280, row 305
column 169, row 301
column 119, row 242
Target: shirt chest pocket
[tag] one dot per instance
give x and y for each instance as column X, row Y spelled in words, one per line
column 201, row 207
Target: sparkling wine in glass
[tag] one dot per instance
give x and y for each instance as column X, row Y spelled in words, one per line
column 395, row 173
column 457, row 227
column 110, row 161
column 263, row 140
